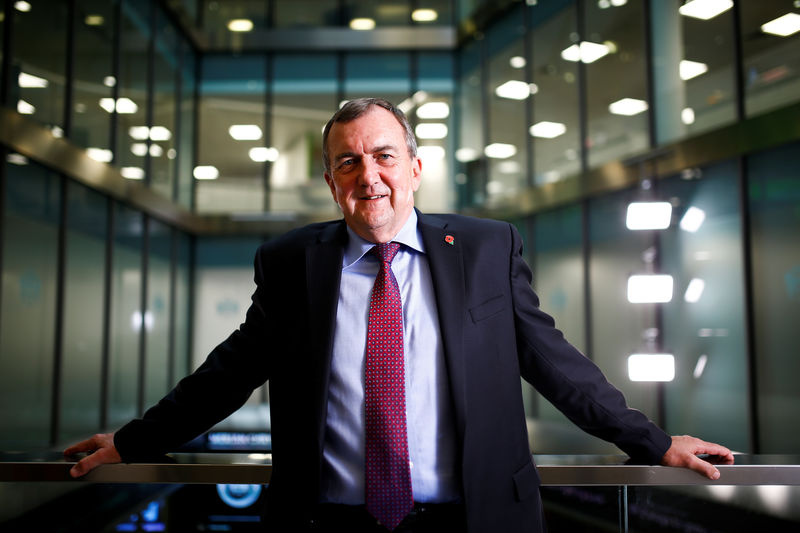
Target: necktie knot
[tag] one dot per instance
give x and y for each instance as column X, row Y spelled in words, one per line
column 386, row 251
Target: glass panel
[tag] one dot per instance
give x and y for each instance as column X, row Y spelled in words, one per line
column 232, row 92
column 775, row 223
column 94, row 80
column 126, row 316
column 187, row 127
column 771, row 61
column 132, row 143
column 693, row 75
column 620, row 328
column 181, row 364
column 704, row 324
column 508, row 93
column 556, row 121
column 162, row 134
column 303, row 99
column 306, row 13
column 223, row 286
column 82, row 345
column 471, row 168
column 381, row 75
column 38, row 72
column 616, row 81
column 381, row 13
column 558, row 280
column 157, row 314
column 217, row 15
column 30, row 248
column 433, row 103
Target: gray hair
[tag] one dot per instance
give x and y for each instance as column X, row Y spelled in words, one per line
column 355, row 109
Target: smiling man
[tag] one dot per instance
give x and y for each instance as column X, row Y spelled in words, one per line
column 393, row 342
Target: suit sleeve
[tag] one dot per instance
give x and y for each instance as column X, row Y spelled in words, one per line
column 572, row 382
column 221, row 385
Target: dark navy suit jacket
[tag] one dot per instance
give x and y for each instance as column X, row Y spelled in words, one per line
column 492, row 330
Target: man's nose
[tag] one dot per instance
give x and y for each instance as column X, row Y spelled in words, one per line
column 370, row 172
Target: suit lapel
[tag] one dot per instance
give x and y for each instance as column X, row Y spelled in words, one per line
column 323, row 273
column 446, row 262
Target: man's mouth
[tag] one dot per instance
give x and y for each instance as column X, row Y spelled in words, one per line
column 375, row 197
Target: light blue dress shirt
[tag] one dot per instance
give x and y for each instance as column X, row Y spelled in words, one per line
column 431, row 431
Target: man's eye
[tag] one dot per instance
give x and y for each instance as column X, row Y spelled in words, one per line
column 384, row 157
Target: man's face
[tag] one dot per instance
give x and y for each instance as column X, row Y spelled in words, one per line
column 372, row 177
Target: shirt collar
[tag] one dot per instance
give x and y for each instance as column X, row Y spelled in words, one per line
column 409, row 236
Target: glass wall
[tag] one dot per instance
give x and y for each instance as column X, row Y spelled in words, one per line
column 28, row 311
column 304, row 91
column 126, row 316
column 232, row 93
column 555, row 128
column 774, row 199
column 38, row 69
column 770, row 37
column 508, row 93
column 84, row 313
column 94, row 74
column 704, row 323
column 166, row 65
column 694, row 82
column 157, row 321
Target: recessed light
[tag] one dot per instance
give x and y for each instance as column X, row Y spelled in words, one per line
column 240, row 25
column 547, row 130
column 205, row 172
column 245, row 132
column 500, row 150
column 587, row 51
column 132, row 173
column 648, row 215
column 651, row 367
column 514, row 90
column 362, row 24
column 628, row 107
column 431, row 131
column 433, row 110
column 783, row 26
column 424, row 15
column 705, row 9
column 691, row 69
column 260, row 154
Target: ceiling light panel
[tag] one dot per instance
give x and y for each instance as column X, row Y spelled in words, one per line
column 783, row 26
column 547, row 130
column 628, row 107
column 705, row 9
column 245, row 132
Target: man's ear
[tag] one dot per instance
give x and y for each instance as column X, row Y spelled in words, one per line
column 331, row 185
column 416, row 173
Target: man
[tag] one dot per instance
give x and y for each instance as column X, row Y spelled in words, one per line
column 456, row 456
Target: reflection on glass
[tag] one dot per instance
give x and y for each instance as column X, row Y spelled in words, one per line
column 181, row 362
column 82, row 344
column 555, row 131
column 558, row 280
column 187, row 126
column 509, row 92
column 693, row 75
column 38, row 69
column 157, row 313
column 232, row 92
column 304, row 97
column 385, row 75
column 94, row 79
column 470, row 175
column 126, row 316
column 616, row 83
column 620, row 328
column 131, row 106
column 27, row 329
column 432, row 103
column 162, row 131
column 704, row 323
column 771, row 62
column 774, row 195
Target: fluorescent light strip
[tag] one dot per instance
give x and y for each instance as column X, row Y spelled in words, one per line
column 245, row 132
column 651, row 367
column 783, row 26
column 705, row 9
column 650, row 288
column 433, row 110
column 648, row 215
column 205, row 172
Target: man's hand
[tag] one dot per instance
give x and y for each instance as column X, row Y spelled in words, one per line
column 684, row 451
column 101, row 451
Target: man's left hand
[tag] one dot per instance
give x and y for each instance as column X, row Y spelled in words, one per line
column 684, row 452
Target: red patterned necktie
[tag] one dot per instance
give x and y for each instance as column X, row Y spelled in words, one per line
column 388, row 475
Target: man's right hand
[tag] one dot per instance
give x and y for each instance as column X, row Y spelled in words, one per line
column 101, row 451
